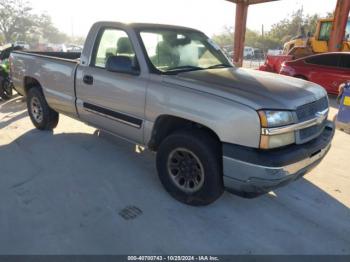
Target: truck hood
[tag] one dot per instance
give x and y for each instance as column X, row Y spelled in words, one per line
column 256, row 89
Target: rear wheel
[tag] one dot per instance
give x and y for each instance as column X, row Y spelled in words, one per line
column 42, row 116
column 189, row 164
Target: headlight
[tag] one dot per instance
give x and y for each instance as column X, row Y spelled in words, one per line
column 275, row 119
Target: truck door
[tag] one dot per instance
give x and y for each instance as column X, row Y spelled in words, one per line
column 112, row 101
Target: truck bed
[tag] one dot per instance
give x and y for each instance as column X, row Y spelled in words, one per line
column 55, row 71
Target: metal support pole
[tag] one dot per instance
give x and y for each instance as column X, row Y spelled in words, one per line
column 339, row 26
column 240, row 31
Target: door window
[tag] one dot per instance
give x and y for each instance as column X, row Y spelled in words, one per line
column 324, row 60
column 345, row 61
column 113, row 42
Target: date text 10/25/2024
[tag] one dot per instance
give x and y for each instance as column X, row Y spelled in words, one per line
column 173, row 258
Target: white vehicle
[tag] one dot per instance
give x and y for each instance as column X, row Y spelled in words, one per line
column 57, row 47
column 21, row 44
column 74, row 49
column 248, row 52
column 275, row 52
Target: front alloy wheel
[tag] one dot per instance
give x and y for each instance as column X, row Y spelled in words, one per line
column 189, row 164
column 186, row 170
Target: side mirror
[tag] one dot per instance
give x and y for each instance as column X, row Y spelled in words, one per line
column 122, row 64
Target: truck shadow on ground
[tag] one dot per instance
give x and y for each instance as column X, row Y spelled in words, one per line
column 73, row 186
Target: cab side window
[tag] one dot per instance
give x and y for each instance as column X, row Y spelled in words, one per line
column 113, row 42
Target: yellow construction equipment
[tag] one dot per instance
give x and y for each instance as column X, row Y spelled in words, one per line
column 319, row 43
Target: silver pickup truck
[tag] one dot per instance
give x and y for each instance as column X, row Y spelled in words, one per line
column 171, row 89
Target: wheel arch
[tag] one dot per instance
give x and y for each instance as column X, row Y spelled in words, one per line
column 165, row 125
column 31, row 82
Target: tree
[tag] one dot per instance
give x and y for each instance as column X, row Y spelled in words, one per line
column 252, row 39
column 16, row 19
column 298, row 24
column 78, row 40
column 2, row 40
column 48, row 31
column 225, row 38
column 279, row 34
column 17, row 22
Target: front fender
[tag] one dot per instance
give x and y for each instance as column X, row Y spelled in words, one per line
column 232, row 122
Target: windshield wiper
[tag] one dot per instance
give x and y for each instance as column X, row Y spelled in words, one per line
column 188, row 68
column 185, row 68
column 219, row 66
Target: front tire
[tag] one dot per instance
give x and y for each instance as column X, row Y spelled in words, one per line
column 41, row 115
column 189, row 164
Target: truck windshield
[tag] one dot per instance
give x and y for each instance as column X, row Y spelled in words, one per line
column 173, row 51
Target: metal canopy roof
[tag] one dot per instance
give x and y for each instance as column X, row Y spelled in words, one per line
column 251, row 2
column 340, row 15
column 241, row 26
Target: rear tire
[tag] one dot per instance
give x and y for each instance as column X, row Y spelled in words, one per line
column 189, row 164
column 42, row 116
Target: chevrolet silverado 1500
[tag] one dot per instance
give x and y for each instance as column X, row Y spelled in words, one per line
column 172, row 90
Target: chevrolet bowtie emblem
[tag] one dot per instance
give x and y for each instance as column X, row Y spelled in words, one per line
column 321, row 116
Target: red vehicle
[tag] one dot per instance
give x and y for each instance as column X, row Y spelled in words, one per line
column 273, row 63
column 329, row 70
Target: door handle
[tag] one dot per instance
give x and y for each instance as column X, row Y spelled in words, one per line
column 89, row 80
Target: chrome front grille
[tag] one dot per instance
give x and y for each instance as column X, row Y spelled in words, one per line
column 307, row 112
column 311, row 132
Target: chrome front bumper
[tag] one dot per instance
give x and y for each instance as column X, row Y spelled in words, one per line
column 255, row 172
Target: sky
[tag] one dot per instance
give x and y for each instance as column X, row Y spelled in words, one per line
column 75, row 17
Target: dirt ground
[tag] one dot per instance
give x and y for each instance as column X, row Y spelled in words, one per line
column 66, row 193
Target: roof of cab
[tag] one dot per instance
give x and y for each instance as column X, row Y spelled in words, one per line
column 158, row 26
column 146, row 26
